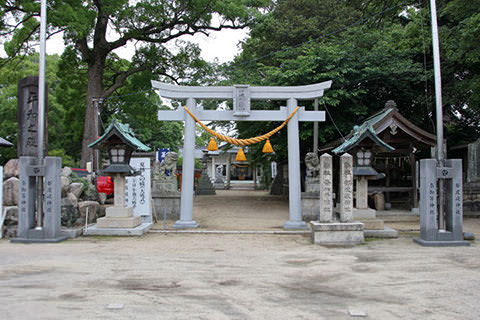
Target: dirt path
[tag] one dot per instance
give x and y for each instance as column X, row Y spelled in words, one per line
column 238, row 210
column 212, row 276
column 198, row 276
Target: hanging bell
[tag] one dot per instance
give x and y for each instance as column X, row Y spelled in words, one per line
column 240, row 155
column 212, row 145
column 267, row 147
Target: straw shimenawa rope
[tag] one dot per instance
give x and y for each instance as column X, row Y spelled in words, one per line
column 243, row 142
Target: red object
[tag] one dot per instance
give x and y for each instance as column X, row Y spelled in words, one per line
column 105, row 185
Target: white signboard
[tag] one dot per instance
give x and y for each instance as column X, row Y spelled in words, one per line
column 137, row 190
column 274, row 169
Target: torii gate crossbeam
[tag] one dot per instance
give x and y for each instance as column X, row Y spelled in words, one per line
column 241, row 95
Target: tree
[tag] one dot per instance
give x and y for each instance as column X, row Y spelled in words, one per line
column 94, row 29
column 384, row 54
column 368, row 66
column 10, row 75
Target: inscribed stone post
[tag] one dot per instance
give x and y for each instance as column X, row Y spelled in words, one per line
column 473, row 169
column 27, row 118
column 326, row 188
column 346, row 188
column 362, row 192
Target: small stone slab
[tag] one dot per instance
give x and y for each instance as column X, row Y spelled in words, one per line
column 437, row 243
column 357, row 313
column 386, row 233
column 115, row 306
column 337, row 233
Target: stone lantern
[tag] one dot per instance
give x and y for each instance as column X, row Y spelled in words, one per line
column 119, row 142
column 361, row 144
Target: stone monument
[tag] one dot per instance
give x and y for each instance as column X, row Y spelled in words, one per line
column 310, row 198
column 333, row 230
column 219, row 183
column 312, row 180
column 430, row 233
column 204, row 185
column 165, row 194
column 32, row 226
column 27, row 118
column 326, row 189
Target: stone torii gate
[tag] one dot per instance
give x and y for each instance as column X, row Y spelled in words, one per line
column 241, row 95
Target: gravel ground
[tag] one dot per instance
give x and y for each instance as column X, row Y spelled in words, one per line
column 246, row 276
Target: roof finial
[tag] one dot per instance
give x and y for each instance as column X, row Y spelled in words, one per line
column 391, row 105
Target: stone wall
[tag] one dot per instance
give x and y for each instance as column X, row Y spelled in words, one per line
column 471, row 199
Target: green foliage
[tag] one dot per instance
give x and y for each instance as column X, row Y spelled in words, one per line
column 373, row 51
column 10, row 75
column 67, row 161
column 155, row 26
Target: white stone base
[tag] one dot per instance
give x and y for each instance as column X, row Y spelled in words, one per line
column 118, row 212
column 359, row 214
column 337, row 233
column 373, row 224
column 108, row 222
column 138, row 231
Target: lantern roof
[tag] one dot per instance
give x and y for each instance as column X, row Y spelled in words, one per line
column 5, row 143
column 118, row 131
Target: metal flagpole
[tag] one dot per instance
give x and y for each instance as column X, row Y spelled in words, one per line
column 41, row 109
column 315, row 128
column 439, row 110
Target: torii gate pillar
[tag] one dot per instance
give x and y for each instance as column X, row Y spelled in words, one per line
column 241, row 96
column 294, row 188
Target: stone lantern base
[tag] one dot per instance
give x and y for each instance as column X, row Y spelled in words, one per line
column 119, row 218
column 119, row 221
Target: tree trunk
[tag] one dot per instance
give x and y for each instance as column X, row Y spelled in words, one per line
column 94, row 92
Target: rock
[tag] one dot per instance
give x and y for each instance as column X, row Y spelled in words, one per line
column 102, row 211
column 65, row 181
column 11, row 221
column 93, row 209
column 468, row 236
column 102, row 197
column 11, row 169
column 66, row 171
column 11, row 218
column 10, row 191
column 90, row 193
column 69, row 213
column 73, row 199
column 76, row 188
column 9, row 232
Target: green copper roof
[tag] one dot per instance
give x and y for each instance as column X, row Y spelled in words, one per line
column 362, row 132
column 124, row 132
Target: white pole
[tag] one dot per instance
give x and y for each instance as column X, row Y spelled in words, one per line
column 41, row 109
column 438, row 81
column 41, row 81
column 315, row 129
column 439, row 110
